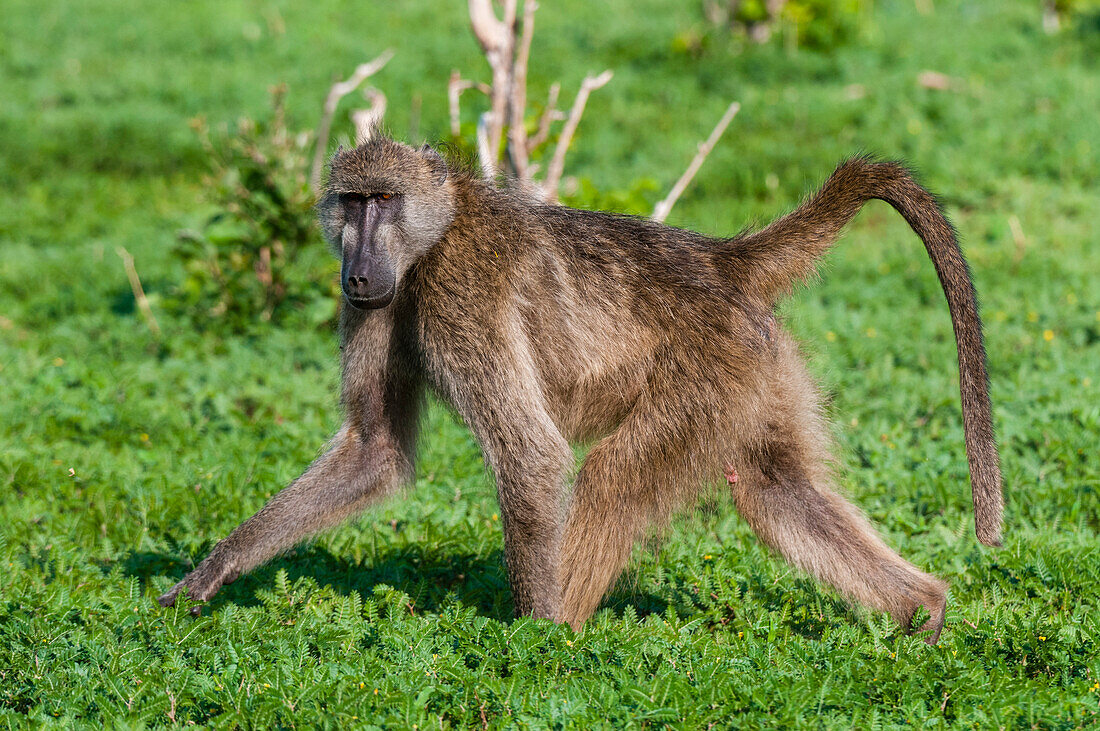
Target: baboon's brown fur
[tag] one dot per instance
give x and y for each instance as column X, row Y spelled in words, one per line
column 543, row 324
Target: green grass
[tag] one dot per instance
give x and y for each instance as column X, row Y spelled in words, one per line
column 123, row 460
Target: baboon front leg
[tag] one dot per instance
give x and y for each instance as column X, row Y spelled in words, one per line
column 821, row 533
column 531, row 462
column 337, row 486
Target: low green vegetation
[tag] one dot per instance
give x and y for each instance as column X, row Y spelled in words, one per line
column 124, row 455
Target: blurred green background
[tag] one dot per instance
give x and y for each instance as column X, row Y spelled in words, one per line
column 125, row 454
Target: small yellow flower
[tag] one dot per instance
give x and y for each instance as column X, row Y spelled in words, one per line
column 871, row 332
column 569, row 643
column 1042, row 639
column 144, row 437
column 1033, row 316
column 59, row 362
column 830, row 336
column 707, row 557
column 1048, row 335
column 267, row 685
column 361, row 685
column 496, row 517
column 376, row 691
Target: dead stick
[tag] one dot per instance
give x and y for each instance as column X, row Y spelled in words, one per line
column 484, row 154
column 549, row 114
column 367, row 121
column 139, row 293
column 557, row 163
column 338, row 91
column 517, row 131
column 661, row 211
column 455, row 87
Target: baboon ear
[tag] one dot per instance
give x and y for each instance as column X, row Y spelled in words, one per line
column 437, row 163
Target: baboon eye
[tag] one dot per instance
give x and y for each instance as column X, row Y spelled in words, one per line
column 385, row 196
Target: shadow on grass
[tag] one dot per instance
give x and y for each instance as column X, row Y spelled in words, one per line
column 431, row 580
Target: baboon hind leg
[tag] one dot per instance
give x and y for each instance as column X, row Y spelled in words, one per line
column 631, row 480
column 820, row 532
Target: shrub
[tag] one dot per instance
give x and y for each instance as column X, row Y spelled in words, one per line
column 259, row 257
column 816, row 24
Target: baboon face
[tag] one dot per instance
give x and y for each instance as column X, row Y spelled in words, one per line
column 385, row 206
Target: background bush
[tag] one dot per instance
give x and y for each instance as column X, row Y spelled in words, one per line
column 259, row 256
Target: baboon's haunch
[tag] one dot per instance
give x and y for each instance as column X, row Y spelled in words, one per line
column 543, row 324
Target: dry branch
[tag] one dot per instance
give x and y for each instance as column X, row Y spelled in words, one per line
column 661, row 211
column 497, row 40
column 338, row 91
column 368, row 120
column 139, row 292
column 549, row 114
column 557, row 163
column 517, row 102
column 455, row 86
column 484, row 154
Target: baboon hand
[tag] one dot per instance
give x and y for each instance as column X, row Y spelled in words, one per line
column 202, row 583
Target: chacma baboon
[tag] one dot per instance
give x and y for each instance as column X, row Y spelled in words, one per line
column 543, row 324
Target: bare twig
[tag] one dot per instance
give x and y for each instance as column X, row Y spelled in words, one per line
column 455, row 87
column 497, row 39
column 1018, row 237
column 548, row 115
column 517, row 131
column 488, row 29
column 661, row 211
column 557, row 163
column 484, row 155
column 139, row 293
column 338, row 91
column 366, row 121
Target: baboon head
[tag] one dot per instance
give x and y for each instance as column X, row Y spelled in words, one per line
column 385, row 205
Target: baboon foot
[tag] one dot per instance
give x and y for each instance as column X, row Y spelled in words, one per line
column 201, row 584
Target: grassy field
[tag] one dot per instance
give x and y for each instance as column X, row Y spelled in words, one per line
column 122, row 460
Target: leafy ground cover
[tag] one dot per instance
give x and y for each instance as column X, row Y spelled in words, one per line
column 123, row 458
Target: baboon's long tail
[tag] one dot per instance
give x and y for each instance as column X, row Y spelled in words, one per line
column 776, row 257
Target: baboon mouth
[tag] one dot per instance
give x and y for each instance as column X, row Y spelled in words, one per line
column 370, row 303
